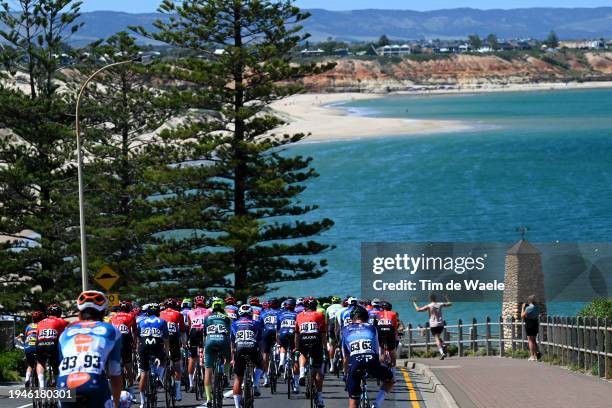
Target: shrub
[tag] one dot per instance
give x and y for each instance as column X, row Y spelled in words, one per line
column 12, row 363
column 600, row 307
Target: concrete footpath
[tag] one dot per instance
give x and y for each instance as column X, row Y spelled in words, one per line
column 494, row 382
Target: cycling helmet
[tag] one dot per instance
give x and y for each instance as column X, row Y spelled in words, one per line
column 326, row 305
column 186, row 303
column 115, row 309
column 290, row 304
column 54, row 310
column 239, row 303
column 265, row 305
column 345, row 303
column 360, row 313
column 336, row 300
column 37, row 316
column 299, row 301
column 200, row 301
column 151, row 309
column 125, row 306
column 273, row 303
column 171, row 303
column 230, row 300
column 92, row 299
column 245, row 310
column 254, row 301
column 375, row 302
column 352, row 301
column 310, row 303
column 217, row 304
column 386, row 305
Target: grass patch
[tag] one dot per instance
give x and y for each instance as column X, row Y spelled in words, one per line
column 12, row 363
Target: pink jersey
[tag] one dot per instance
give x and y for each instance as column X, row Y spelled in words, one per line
column 197, row 316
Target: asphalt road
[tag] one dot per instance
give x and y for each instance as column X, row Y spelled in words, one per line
column 406, row 394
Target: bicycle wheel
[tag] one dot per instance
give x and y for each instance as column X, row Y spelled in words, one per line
column 272, row 374
column 169, row 389
column 198, row 382
column 151, row 388
column 289, row 377
column 248, row 396
column 36, row 403
column 310, row 388
column 218, row 384
column 365, row 399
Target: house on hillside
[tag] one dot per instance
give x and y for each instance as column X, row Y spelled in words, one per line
column 312, row 53
column 583, row 44
column 394, row 50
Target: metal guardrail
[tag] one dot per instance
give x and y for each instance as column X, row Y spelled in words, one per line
column 581, row 342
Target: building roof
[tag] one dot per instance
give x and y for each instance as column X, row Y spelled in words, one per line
column 522, row 248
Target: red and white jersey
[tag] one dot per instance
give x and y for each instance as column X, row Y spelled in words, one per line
column 49, row 330
column 125, row 322
column 175, row 321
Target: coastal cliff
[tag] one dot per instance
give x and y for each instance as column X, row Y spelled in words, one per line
column 377, row 75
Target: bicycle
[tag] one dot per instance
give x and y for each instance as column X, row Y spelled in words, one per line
column 184, row 371
column 311, row 388
column 36, row 402
column 288, row 374
column 218, row 383
column 273, row 369
column 248, row 389
column 198, row 377
column 151, row 385
column 169, row 384
column 337, row 362
column 50, row 382
column 364, row 401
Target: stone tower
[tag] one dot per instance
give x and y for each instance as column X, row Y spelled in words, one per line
column 523, row 276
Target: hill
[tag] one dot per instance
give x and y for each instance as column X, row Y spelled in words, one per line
column 569, row 23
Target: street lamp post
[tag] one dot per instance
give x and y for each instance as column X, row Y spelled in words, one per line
column 80, row 169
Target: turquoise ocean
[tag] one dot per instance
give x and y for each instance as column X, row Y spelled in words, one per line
column 540, row 159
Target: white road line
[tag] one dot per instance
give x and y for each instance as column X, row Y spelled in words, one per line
column 25, row 406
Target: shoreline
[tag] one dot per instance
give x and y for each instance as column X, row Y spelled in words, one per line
column 316, row 113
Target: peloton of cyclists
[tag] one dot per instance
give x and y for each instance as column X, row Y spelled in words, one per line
column 48, row 332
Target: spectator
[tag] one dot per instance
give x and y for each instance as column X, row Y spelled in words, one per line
column 531, row 316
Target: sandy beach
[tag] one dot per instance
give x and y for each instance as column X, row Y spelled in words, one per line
column 311, row 113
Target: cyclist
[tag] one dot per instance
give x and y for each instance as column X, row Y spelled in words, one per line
column 217, row 327
column 310, row 340
column 90, row 350
column 387, row 325
column 231, row 310
column 285, row 337
column 176, row 337
column 360, row 350
column 330, row 317
column 269, row 319
column 299, row 305
column 196, row 318
column 152, row 343
column 245, row 339
column 374, row 311
column 185, row 308
column 29, row 345
column 256, row 307
column 125, row 322
column 48, row 332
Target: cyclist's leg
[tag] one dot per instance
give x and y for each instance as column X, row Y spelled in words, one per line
column 175, row 357
column 126, row 357
column 211, row 350
column 31, row 363
column 239, row 368
column 376, row 370
column 41, row 361
column 353, row 381
column 143, row 366
column 317, row 353
column 193, row 354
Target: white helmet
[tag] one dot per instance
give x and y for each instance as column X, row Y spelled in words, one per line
column 92, row 299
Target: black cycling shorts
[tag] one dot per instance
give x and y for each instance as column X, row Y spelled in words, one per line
column 287, row 340
column 358, row 366
column 146, row 351
column 175, row 348
column 314, row 350
column 240, row 360
column 196, row 339
column 126, row 349
column 48, row 355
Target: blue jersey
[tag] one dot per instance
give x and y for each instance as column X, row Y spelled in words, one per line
column 344, row 317
column 359, row 339
column 185, row 313
column 269, row 319
column 86, row 348
column 246, row 334
column 152, row 330
column 31, row 337
column 232, row 312
column 286, row 322
column 140, row 318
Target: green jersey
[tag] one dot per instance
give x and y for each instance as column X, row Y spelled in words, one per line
column 217, row 328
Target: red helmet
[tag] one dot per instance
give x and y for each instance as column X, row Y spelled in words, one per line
column 230, row 300
column 125, row 306
column 200, row 301
column 172, row 303
column 37, row 316
column 310, row 303
column 54, row 310
column 254, row 301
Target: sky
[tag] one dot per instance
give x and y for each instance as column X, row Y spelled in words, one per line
column 141, row 6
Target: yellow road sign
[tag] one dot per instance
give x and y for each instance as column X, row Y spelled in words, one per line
column 106, row 277
column 113, row 299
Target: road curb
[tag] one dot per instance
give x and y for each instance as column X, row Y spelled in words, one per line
column 440, row 388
